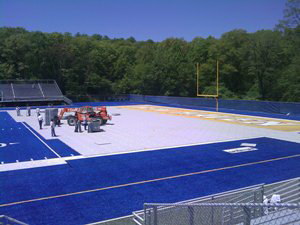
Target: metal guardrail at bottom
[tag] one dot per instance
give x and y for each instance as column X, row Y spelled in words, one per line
column 6, row 220
column 222, row 214
column 289, row 190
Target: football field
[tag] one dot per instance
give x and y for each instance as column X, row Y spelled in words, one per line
column 147, row 153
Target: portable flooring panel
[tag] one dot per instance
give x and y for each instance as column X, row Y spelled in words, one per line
column 136, row 130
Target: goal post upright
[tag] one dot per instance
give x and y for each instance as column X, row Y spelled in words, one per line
column 216, row 96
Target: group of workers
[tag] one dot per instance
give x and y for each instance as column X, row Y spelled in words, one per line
column 55, row 121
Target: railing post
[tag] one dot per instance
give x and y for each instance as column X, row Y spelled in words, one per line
column 40, row 87
column 147, row 216
column 13, row 91
column 212, row 210
column 191, row 213
column 247, row 212
column 155, row 215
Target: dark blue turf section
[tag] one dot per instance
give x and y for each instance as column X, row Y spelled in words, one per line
column 20, row 144
column 60, row 147
column 87, row 174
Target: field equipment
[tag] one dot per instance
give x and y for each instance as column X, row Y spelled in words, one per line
column 50, row 114
column 85, row 113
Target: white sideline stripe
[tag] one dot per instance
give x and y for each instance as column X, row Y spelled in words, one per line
column 42, row 141
column 31, row 164
column 153, row 149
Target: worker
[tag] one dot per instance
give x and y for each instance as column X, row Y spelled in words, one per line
column 85, row 123
column 52, row 124
column 37, row 111
column 266, row 201
column 57, row 120
column 18, row 111
column 275, row 198
column 28, row 111
column 40, row 119
column 78, row 126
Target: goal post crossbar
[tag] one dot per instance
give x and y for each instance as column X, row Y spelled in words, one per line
column 216, row 96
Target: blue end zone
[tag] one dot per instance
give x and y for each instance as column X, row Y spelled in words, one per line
column 109, row 171
column 60, row 147
column 18, row 143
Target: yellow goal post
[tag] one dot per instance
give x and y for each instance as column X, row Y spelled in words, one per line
column 216, row 95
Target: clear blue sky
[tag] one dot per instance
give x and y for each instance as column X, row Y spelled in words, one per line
column 142, row 19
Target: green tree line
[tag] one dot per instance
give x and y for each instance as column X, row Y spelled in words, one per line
column 264, row 65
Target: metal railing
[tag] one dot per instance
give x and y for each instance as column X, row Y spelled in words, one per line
column 222, row 213
column 6, row 220
column 288, row 190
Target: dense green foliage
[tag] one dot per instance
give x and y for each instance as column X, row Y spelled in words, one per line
column 264, row 65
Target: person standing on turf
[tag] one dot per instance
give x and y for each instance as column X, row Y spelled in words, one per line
column 18, row 111
column 85, row 122
column 28, row 111
column 52, row 124
column 40, row 119
column 37, row 111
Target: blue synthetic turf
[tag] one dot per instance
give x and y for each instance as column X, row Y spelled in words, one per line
column 22, row 145
column 86, row 174
column 60, row 147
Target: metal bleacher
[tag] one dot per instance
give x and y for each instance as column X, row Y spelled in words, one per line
column 22, row 91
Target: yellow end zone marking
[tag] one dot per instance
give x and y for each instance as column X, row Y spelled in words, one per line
column 148, row 181
column 254, row 121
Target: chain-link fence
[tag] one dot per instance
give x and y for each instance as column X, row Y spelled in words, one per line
column 222, row 214
column 289, row 192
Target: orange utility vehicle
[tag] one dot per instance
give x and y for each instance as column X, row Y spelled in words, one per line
column 88, row 113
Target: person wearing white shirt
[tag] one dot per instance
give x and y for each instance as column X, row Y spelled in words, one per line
column 52, row 124
column 40, row 119
column 18, row 111
column 37, row 111
column 275, row 199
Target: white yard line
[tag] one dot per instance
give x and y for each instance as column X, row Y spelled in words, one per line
column 42, row 141
column 154, row 149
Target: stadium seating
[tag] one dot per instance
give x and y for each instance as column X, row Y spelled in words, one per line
column 16, row 91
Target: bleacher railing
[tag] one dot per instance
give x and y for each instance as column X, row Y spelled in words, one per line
column 30, row 90
column 222, row 213
column 289, row 191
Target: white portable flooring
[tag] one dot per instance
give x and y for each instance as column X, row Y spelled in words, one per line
column 135, row 130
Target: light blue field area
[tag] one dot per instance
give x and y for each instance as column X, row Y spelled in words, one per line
column 100, row 188
column 21, row 143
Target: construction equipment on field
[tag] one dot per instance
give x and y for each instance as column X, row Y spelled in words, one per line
column 86, row 113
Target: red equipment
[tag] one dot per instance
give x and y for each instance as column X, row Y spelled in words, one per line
column 88, row 113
